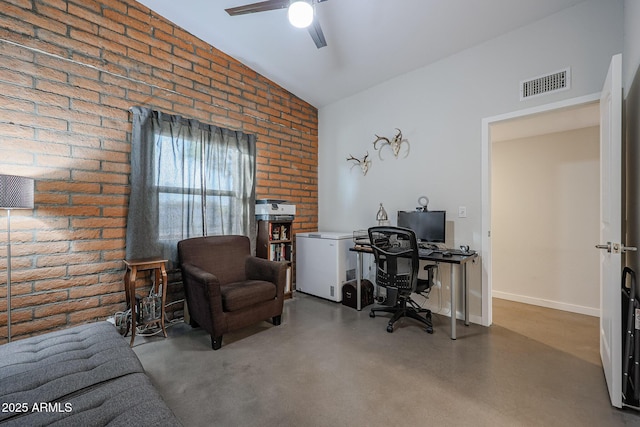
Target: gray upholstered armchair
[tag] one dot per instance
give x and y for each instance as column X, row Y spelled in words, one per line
column 226, row 288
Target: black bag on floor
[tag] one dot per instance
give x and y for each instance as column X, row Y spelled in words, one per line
column 349, row 293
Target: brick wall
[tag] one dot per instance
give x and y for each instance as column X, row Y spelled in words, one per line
column 69, row 72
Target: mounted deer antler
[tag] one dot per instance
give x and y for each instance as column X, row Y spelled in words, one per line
column 364, row 163
column 380, row 138
column 394, row 143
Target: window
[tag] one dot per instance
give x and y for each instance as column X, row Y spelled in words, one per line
column 188, row 179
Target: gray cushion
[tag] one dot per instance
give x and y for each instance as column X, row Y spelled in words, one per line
column 127, row 401
column 88, row 373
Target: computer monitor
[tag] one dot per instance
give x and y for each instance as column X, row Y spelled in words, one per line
column 429, row 226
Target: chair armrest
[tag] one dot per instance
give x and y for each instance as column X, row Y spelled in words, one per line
column 204, row 299
column 203, row 284
column 195, row 276
column 271, row 271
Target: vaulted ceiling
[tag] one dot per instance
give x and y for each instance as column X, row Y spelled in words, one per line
column 368, row 41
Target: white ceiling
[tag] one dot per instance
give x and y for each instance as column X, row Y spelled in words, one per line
column 369, row 41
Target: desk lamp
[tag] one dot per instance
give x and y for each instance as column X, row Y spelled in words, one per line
column 381, row 216
column 16, row 192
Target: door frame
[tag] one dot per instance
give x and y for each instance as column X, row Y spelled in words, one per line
column 487, row 275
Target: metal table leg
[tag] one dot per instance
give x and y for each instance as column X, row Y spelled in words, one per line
column 359, row 281
column 453, row 303
column 465, row 289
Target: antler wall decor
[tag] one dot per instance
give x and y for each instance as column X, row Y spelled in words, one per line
column 364, row 162
column 394, row 143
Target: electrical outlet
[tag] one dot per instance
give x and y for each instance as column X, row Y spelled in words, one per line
column 462, row 211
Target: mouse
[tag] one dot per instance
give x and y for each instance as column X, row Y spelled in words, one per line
column 446, row 254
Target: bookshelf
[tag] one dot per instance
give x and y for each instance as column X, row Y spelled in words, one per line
column 275, row 243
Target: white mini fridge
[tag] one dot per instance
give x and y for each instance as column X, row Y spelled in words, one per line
column 324, row 263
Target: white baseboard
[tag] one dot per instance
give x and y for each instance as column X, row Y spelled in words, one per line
column 589, row 311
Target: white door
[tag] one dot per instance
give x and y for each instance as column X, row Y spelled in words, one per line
column 611, row 229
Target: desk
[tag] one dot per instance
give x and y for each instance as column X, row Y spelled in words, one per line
column 459, row 260
column 133, row 266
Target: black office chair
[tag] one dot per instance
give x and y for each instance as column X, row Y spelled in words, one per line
column 396, row 255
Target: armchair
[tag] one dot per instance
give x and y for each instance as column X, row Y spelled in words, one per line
column 226, row 288
column 396, row 256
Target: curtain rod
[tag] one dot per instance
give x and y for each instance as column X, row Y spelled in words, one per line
column 73, row 61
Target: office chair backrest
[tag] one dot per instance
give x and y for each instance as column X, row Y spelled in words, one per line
column 396, row 253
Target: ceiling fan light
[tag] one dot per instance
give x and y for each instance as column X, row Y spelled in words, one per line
column 300, row 14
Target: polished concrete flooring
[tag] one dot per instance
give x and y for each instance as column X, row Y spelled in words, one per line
column 330, row 365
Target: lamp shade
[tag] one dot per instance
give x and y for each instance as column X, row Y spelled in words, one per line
column 16, row 192
column 300, row 14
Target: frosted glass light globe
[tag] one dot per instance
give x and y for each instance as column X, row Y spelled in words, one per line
column 300, row 14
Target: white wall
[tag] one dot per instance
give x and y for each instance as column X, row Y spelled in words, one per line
column 544, row 240
column 440, row 109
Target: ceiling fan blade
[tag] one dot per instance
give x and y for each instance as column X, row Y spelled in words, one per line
column 262, row 6
column 314, row 29
column 316, row 34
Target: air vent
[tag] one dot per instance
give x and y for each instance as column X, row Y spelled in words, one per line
column 549, row 83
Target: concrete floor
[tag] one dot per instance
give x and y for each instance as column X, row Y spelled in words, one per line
column 330, row 365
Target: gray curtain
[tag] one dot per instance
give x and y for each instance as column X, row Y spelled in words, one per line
column 188, row 179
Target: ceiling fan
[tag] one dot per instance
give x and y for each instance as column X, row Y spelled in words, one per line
column 313, row 27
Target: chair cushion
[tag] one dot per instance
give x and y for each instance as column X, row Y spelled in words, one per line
column 239, row 295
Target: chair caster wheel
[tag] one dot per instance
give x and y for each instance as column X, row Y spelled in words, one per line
column 372, row 314
column 390, row 329
column 429, row 330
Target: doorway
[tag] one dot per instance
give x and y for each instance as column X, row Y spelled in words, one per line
column 517, row 132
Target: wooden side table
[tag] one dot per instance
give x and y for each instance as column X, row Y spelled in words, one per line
column 133, row 266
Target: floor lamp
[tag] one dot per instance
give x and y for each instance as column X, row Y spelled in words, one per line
column 16, row 192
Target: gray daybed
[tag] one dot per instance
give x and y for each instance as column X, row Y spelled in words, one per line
column 82, row 376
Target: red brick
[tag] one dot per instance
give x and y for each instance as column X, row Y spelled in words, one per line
column 34, row 19
column 114, row 298
column 116, row 254
column 65, row 307
column 57, row 12
column 96, row 245
column 93, row 314
column 93, row 16
column 113, row 233
column 92, row 290
column 40, row 298
column 74, row 129
column 97, row 222
column 39, row 326
column 17, row 316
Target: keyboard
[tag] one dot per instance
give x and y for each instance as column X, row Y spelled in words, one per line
column 459, row 252
column 423, row 252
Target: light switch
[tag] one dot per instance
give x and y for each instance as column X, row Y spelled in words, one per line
column 462, row 211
